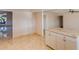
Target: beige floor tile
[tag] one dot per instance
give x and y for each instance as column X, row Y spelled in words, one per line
column 26, row 42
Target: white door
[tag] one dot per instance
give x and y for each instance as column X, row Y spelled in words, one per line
column 70, row 43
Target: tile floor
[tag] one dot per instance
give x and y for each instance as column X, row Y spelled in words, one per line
column 26, row 42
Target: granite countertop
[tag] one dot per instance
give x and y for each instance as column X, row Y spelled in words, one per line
column 63, row 31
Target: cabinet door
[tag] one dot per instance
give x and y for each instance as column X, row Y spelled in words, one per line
column 53, row 40
column 70, row 43
column 47, row 38
column 50, row 40
column 60, row 42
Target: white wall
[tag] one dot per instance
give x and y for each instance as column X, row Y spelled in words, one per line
column 23, row 23
column 38, row 22
column 27, row 22
column 71, row 21
column 52, row 20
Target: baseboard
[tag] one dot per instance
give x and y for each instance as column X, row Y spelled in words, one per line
column 22, row 35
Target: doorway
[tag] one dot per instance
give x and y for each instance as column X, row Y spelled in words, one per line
column 61, row 21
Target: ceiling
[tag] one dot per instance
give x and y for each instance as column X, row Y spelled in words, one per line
column 22, row 10
column 60, row 11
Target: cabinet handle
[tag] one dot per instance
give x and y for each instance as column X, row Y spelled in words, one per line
column 64, row 40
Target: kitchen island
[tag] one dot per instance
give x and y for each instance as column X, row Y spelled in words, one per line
column 62, row 39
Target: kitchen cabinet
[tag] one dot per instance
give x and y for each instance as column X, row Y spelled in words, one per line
column 70, row 43
column 59, row 41
column 54, row 40
column 51, row 40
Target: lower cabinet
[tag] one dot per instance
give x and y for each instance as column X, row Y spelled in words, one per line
column 51, row 40
column 70, row 43
column 60, row 42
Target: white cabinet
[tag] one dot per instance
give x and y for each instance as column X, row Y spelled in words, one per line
column 70, row 43
column 53, row 40
column 50, row 40
column 60, row 42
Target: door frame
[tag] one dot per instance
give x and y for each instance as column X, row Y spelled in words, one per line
column 43, row 23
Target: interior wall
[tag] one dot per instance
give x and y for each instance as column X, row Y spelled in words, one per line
column 38, row 22
column 71, row 21
column 31, row 22
column 52, row 20
column 23, row 23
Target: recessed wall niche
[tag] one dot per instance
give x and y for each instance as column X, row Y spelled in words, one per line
column 5, row 25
